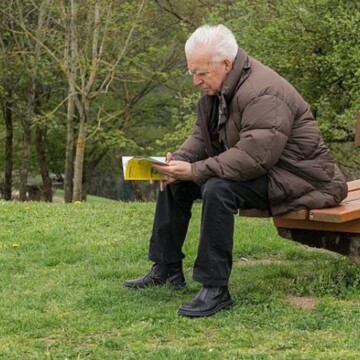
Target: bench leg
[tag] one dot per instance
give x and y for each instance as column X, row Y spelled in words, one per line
column 343, row 243
column 355, row 247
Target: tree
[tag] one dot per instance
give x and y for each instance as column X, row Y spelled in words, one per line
column 23, row 26
column 144, row 88
column 6, row 100
column 8, row 164
column 91, row 72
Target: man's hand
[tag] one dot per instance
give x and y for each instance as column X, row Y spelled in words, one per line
column 175, row 170
column 178, row 170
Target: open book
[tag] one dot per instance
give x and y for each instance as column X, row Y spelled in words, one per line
column 140, row 168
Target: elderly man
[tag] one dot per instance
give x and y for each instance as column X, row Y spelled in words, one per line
column 255, row 144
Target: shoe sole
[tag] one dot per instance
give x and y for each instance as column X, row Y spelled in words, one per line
column 195, row 314
column 147, row 286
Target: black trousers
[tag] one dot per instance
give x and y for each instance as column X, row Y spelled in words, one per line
column 221, row 200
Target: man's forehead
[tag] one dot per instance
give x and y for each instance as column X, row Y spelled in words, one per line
column 198, row 59
column 200, row 52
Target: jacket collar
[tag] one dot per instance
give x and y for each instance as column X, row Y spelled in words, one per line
column 237, row 75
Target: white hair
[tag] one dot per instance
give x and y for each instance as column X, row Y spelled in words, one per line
column 217, row 39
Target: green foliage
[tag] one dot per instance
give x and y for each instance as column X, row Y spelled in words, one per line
column 183, row 119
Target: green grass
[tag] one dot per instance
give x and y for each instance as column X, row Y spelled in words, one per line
column 61, row 295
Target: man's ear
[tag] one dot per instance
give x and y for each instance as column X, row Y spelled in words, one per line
column 228, row 65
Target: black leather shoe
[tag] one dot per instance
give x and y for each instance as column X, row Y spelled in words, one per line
column 208, row 301
column 159, row 275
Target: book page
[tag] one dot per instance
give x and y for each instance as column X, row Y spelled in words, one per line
column 140, row 168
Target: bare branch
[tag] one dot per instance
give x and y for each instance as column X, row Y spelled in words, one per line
column 104, row 119
column 95, row 55
column 171, row 11
column 110, row 76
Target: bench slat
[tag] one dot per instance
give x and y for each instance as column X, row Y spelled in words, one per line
column 353, row 185
column 352, row 196
column 342, row 213
column 255, row 213
column 301, row 214
column 348, row 227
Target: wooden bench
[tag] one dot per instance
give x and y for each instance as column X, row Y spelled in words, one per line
column 335, row 229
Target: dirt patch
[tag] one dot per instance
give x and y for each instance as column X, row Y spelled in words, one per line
column 303, row 302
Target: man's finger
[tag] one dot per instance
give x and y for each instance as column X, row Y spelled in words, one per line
column 169, row 156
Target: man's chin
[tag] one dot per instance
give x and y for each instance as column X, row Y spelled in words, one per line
column 209, row 92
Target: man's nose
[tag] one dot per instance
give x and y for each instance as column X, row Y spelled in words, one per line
column 197, row 80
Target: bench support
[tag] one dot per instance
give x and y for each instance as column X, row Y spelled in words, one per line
column 343, row 243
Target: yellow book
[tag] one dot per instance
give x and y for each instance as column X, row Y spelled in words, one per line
column 140, row 168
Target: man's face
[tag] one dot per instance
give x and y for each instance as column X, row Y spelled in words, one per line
column 208, row 76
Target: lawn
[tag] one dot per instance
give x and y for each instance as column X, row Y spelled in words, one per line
column 62, row 268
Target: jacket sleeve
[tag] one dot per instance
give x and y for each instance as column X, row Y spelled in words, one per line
column 264, row 129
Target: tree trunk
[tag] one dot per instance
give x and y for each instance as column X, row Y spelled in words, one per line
column 33, row 99
column 8, row 165
column 25, row 157
column 139, row 196
column 41, row 155
column 71, row 56
column 84, row 185
column 69, row 159
column 79, row 159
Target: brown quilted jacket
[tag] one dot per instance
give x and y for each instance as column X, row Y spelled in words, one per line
column 266, row 127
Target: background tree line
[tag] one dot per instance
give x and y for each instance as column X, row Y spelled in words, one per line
column 83, row 82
